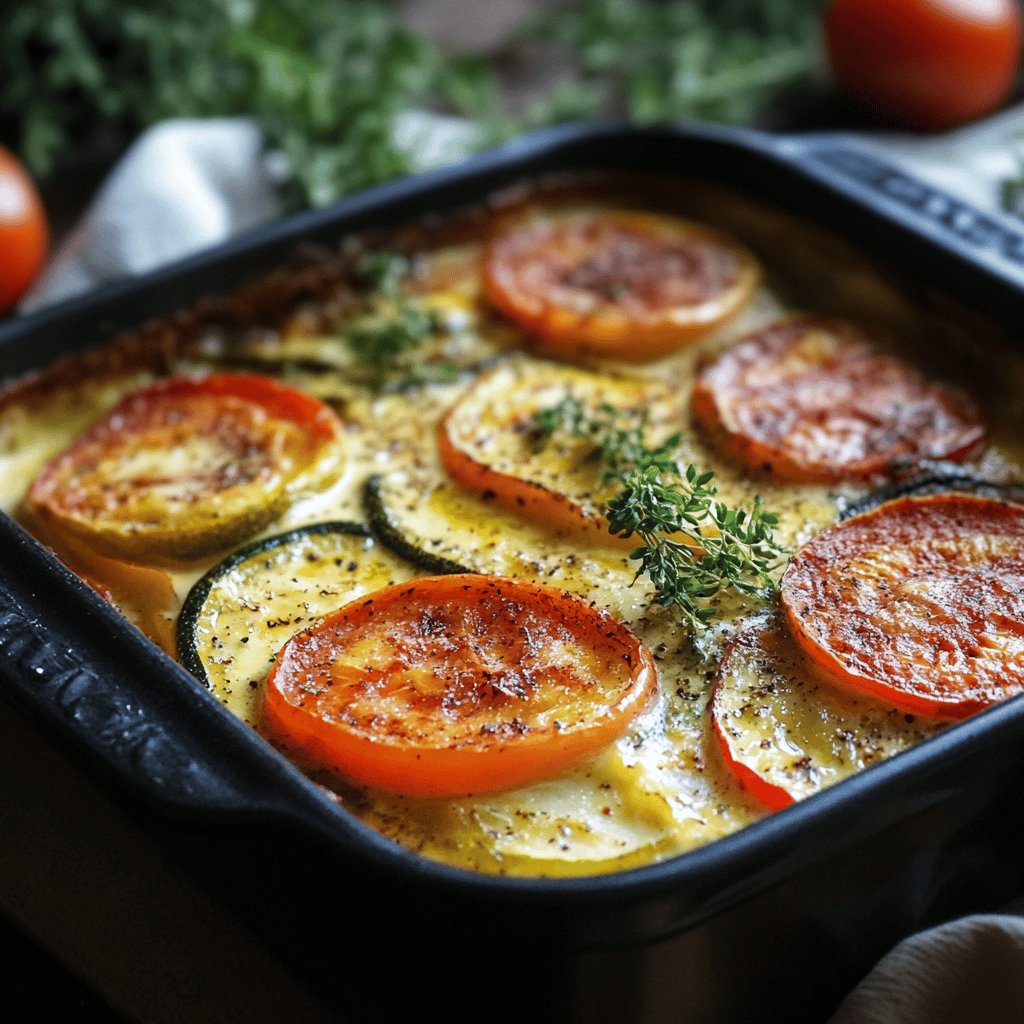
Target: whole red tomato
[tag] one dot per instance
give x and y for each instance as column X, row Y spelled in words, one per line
column 23, row 231
column 925, row 63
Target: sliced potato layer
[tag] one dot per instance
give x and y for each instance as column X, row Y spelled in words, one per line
column 434, row 523
column 785, row 733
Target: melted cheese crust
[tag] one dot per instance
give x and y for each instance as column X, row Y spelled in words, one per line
column 661, row 789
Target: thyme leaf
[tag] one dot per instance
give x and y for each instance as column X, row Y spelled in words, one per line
column 692, row 546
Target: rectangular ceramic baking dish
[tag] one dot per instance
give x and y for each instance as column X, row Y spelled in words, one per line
column 780, row 918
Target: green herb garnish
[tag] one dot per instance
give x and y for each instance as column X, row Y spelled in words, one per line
column 384, row 272
column 392, row 329
column 380, row 339
column 325, row 81
column 693, row 547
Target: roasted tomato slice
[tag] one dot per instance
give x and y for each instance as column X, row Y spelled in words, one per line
column 457, row 684
column 785, row 732
column 814, row 399
column 632, row 286
column 489, row 444
column 186, row 466
column 919, row 602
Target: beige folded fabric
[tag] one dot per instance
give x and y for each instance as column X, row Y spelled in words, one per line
column 969, row 971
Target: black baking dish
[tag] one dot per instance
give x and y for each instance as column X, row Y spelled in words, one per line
column 782, row 917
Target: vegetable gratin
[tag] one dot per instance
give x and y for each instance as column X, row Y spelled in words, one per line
column 561, row 537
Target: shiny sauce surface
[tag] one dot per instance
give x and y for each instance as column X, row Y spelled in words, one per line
column 661, row 789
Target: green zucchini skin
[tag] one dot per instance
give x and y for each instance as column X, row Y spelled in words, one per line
column 251, row 596
column 427, row 518
column 941, row 478
column 389, row 533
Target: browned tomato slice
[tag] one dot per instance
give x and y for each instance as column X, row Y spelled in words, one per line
column 814, row 399
column 627, row 285
column 919, row 602
column 458, row 684
column 186, row 466
column 786, row 733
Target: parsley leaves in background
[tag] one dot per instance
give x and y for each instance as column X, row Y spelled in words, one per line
column 715, row 59
column 326, row 78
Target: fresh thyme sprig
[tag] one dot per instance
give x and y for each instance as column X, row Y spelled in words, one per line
column 692, row 546
column 384, row 271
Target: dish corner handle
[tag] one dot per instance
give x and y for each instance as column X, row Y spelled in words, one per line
column 106, row 695
column 844, row 164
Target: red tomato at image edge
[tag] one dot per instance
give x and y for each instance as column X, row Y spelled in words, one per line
column 925, row 63
column 23, row 231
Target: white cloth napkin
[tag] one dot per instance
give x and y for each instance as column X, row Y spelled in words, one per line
column 183, row 186
column 969, row 971
column 186, row 185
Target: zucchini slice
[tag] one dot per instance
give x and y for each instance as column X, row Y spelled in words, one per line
column 239, row 615
column 382, row 503
column 942, row 478
column 425, row 517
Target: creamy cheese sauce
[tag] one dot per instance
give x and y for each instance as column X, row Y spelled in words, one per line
column 661, row 789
